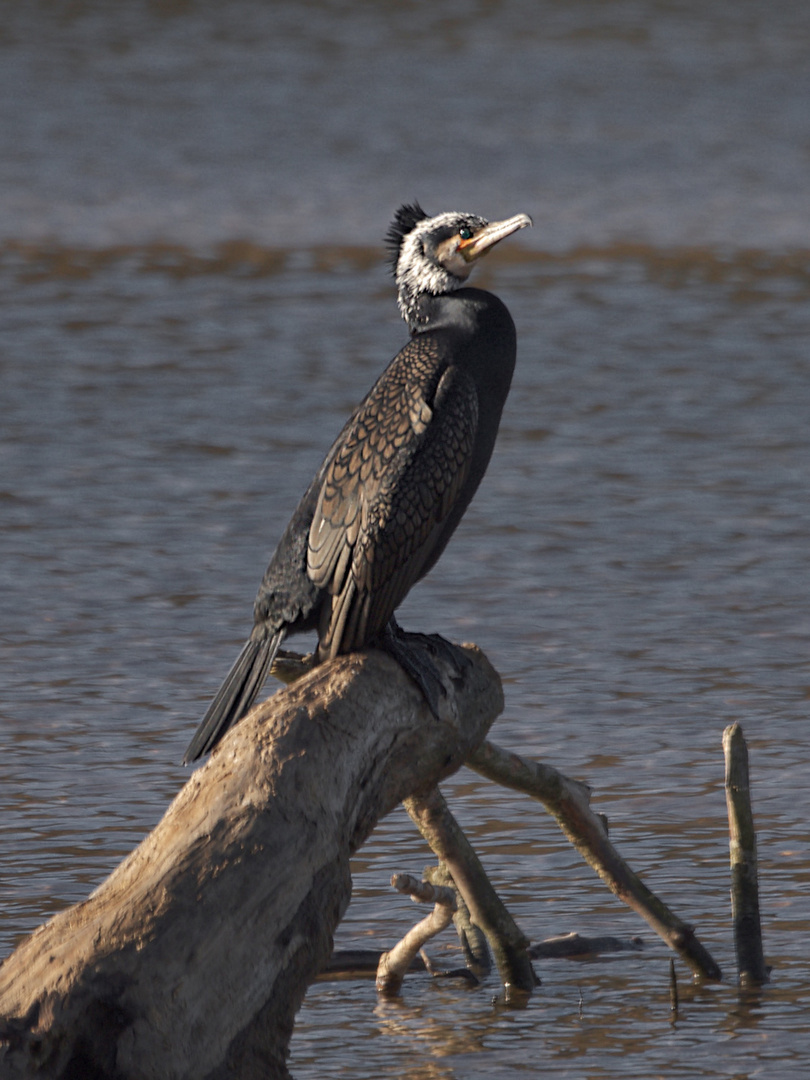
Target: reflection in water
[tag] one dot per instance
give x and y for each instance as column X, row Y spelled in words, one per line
column 404, row 1023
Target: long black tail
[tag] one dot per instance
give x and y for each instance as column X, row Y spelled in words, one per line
column 236, row 695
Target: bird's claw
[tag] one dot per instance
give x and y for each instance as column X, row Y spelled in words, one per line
column 414, row 653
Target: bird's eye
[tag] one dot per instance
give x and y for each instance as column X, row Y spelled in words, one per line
column 465, row 233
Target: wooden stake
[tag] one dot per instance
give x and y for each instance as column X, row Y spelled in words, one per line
column 743, row 852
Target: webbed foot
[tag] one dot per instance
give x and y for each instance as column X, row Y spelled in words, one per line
column 414, row 652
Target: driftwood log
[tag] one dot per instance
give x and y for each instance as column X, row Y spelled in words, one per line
column 192, row 958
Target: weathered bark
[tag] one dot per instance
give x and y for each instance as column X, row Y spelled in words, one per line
column 751, row 966
column 191, row 960
column 569, row 802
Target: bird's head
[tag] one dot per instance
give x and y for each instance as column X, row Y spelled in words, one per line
column 436, row 255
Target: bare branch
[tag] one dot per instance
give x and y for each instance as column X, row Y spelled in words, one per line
column 424, row 891
column 394, row 965
column 441, row 830
column 568, row 801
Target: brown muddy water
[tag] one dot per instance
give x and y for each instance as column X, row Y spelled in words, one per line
column 192, row 297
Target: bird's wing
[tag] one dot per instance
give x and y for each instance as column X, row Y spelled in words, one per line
column 388, row 491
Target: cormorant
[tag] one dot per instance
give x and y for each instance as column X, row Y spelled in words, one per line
column 401, row 473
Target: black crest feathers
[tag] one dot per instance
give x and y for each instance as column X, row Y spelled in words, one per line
column 405, row 219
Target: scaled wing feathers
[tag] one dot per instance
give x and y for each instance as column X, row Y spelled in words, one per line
column 387, row 493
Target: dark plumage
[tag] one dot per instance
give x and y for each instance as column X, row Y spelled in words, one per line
column 400, row 475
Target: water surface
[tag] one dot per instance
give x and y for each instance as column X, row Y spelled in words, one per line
column 193, row 298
